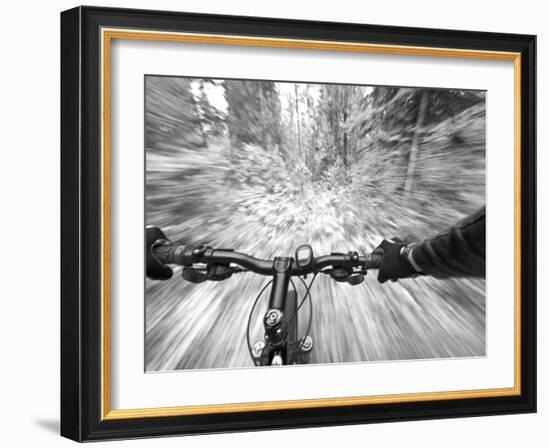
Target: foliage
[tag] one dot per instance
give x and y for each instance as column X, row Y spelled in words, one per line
column 253, row 112
column 338, row 167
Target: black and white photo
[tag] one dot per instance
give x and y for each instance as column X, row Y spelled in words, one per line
column 287, row 172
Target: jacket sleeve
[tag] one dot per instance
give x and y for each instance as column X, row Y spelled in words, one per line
column 457, row 252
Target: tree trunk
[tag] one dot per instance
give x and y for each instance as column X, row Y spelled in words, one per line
column 345, row 154
column 199, row 119
column 297, row 119
column 263, row 116
column 413, row 153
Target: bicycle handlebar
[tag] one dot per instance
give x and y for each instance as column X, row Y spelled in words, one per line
column 184, row 256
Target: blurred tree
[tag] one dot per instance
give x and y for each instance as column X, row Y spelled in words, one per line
column 335, row 114
column 300, row 128
column 390, row 122
column 420, row 114
column 172, row 120
column 211, row 118
column 254, row 113
column 298, row 118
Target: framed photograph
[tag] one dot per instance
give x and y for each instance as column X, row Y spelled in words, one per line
column 273, row 223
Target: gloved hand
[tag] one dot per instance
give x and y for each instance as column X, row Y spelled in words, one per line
column 155, row 269
column 395, row 262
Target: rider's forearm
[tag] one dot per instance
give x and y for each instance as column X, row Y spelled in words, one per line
column 460, row 251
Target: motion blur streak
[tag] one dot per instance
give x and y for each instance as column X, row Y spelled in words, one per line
column 262, row 167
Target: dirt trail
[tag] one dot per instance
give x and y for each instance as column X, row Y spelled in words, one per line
column 203, row 326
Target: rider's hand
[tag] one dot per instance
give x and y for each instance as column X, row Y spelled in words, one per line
column 155, row 269
column 395, row 261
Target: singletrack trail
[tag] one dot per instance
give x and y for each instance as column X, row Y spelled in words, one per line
column 204, row 326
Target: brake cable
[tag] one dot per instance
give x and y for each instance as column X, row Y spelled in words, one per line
column 250, row 320
column 306, row 295
column 310, row 302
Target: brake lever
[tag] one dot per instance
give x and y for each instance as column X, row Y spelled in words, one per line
column 355, row 279
column 213, row 272
column 219, row 272
column 194, row 275
column 345, row 275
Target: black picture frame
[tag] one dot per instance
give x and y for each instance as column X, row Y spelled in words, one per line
column 81, row 209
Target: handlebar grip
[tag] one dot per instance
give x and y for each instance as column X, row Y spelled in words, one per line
column 373, row 260
column 164, row 251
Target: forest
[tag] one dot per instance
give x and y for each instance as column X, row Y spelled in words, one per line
column 263, row 167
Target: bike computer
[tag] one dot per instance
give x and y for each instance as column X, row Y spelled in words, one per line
column 304, row 256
